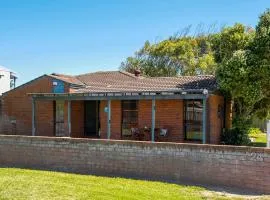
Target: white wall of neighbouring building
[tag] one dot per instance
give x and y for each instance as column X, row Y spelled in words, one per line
column 6, row 76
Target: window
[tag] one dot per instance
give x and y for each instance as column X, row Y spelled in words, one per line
column 12, row 82
column 193, row 120
column 129, row 116
column 58, row 86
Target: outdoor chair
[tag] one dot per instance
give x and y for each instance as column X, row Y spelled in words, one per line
column 161, row 134
column 135, row 132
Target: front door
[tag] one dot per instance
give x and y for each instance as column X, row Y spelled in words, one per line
column 91, row 117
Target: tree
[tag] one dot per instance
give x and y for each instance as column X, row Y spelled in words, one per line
column 233, row 76
column 174, row 56
column 244, row 74
column 230, row 50
column 259, row 61
column 183, row 54
column 229, row 40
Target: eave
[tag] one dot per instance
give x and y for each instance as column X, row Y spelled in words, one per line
column 124, row 95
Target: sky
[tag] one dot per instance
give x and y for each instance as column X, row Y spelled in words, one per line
column 80, row 36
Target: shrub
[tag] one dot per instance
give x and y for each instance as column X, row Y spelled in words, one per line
column 235, row 136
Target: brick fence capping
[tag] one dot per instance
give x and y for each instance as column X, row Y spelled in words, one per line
column 219, row 165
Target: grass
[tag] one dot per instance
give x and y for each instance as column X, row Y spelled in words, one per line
column 260, row 139
column 31, row 184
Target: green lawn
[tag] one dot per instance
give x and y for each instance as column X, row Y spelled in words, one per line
column 260, row 139
column 32, row 184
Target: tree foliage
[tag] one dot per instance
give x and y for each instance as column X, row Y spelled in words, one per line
column 183, row 54
column 230, row 40
column 233, row 78
column 244, row 75
column 174, row 56
column 259, row 62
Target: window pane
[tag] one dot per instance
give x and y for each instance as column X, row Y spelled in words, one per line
column 193, row 119
column 129, row 116
column 193, row 132
column 129, row 105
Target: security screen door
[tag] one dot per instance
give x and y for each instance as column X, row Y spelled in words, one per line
column 91, row 118
column 59, row 118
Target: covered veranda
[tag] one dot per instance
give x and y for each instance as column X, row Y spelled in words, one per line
column 194, row 94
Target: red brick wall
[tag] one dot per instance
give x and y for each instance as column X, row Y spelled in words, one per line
column 44, row 118
column 169, row 115
column 215, row 122
column 77, row 119
column 17, row 107
column 236, row 167
column 145, row 114
column 116, row 117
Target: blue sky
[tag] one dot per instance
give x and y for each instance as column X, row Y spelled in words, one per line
column 77, row 36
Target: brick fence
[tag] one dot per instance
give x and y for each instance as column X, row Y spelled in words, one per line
column 239, row 167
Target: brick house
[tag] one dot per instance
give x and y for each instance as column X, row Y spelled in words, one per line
column 117, row 105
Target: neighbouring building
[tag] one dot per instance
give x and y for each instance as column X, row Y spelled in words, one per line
column 7, row 80
column 118, row 105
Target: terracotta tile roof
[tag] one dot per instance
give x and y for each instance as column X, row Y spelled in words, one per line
column 106, row 78
column 118, row 81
